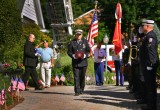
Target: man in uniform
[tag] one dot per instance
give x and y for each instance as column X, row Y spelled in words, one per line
column 78, row 50
column 150, row 49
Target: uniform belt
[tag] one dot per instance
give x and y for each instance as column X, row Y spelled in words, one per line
column 45, row 62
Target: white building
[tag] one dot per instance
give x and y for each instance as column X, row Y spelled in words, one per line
column 31, row 12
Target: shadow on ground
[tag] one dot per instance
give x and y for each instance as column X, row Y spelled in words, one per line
column 118, row 98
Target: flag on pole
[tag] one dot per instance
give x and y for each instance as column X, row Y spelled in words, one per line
column 13, row 84
column 2, row 97
column 20, row 85
column 62, row 78
column 117, row 37
column 93, row 31
column 57, row 78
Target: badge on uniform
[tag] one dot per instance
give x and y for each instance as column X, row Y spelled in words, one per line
column 150, row 40
column 84, row 46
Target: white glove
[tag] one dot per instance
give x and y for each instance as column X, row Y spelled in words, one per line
column 84, row 56
column 87, row 78
column 37, row 54
column 129, row 63
column 74, row 56
column 149, row 68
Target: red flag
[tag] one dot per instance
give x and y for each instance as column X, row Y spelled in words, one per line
column 117, row 37
column 93, row 31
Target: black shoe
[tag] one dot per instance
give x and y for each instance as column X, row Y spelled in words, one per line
column 145, row 107
column 39, row 88
column 131, row 91
column 97, row 84
column 82, row 92
column 137, row 96
column 26, row 89
column 76, row 94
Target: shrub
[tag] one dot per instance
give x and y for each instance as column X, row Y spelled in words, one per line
column 110, row 78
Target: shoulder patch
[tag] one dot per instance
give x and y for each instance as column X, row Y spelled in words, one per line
column 150, row 40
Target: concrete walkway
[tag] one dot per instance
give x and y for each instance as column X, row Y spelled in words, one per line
column 95, row 98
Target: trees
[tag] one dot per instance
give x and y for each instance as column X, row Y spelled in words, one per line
column 133, row 11
column 10, row 26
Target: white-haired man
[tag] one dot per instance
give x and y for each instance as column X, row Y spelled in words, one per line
column 150, row 49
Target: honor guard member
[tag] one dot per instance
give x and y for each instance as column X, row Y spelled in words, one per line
column 150, row 47
column 141, row 99
column 133, row 62
column 79, row 50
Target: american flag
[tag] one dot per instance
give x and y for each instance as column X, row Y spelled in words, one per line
column 20, row 85
column 2, row 97
column 62, row 78
column 13, row 84
column 93, row 32
column 57, row 78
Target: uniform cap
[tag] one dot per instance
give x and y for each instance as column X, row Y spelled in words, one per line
column 148, row 22
column 78, row 31
column 45, row 41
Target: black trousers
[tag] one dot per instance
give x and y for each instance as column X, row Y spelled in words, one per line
column 31, row 71
column 135, row 77
column 79, row 78
column 151, row 89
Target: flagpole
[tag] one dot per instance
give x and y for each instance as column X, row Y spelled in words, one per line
column 5, row 97
column 95, row 7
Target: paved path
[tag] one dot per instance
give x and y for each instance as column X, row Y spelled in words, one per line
column 95, row 98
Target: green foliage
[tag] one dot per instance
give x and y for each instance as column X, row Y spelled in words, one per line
column 90, row 68
column 10, row 28
column 5, row 81
column 63, row 66
column 10, row 25
column 66, row 68
column 132, row 12
column 79, row 7
column 110, row 78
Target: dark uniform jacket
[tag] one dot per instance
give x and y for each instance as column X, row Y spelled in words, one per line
column 29, row 55
column 74, row 47
column 150, row 49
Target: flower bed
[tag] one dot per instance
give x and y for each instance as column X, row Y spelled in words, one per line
column 9, row 97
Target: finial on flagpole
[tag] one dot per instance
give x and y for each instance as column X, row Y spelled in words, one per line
column 96, row 2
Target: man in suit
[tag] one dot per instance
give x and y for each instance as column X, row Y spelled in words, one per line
column 150, row 49
column 30, row 61
column 78, row 50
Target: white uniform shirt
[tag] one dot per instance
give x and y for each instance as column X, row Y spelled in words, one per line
column 101, row 53
column 118, row 57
